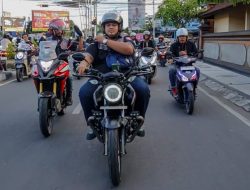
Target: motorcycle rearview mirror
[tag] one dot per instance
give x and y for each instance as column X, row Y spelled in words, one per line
column 78, row 56
column 63, row 56
column 77, row 30
column 147, row 51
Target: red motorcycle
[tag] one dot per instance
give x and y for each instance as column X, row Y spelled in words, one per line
column 50, row 75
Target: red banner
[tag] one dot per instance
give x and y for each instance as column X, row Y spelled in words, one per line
column 41, row 19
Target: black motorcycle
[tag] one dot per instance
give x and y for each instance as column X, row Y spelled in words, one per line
column 114, row 121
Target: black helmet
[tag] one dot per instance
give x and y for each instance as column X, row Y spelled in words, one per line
column 112, row 17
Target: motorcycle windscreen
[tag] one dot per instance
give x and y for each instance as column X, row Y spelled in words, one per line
column 22, row 46
column 47, row 50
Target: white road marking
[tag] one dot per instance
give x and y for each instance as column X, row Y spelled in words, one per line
column 230, row 110
column 77, row 110
column 8, row 82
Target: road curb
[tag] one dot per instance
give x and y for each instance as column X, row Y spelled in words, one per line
column 5, row 75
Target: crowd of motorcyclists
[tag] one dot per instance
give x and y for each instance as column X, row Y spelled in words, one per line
column 111, row 44
column 109, row 53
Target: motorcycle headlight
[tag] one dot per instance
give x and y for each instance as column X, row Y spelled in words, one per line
column 183, row 77
column 20, row 55
column 143, row 61
column 46, row 65
column 113, row 93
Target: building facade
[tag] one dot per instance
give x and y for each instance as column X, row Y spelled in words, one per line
column 225, row 35
column 136, row 14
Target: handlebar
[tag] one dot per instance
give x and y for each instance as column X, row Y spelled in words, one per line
column 93, row 73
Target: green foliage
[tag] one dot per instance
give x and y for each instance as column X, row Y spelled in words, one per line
column 178, row 12
column 148, row 25
column 224, row 1
column 11, row 51
column 35, row 43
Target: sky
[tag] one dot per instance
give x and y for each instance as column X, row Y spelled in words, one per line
column 22, row 8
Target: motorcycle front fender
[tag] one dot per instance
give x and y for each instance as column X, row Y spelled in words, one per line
column 189, row 86
column 49, row 95
column 112, row 123
column 154, row 70
column 19, row 66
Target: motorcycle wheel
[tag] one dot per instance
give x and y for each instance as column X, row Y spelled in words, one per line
column 19, row 75
column 114, row 156
column 190, row 103
column 45, row 118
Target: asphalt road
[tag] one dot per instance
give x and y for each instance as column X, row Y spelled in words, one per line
column 208, row 150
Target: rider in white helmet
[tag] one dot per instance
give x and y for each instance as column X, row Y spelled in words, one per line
column 147, row 42
column 181, row 47
column 133, row 38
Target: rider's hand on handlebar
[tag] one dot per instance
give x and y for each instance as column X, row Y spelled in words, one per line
column 82, row 67
column 182, row 53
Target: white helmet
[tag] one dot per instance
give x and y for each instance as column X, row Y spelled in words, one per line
column 133, row 34
column 181, row 32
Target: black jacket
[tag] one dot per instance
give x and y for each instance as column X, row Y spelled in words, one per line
column 188, row 46
column 144, row 44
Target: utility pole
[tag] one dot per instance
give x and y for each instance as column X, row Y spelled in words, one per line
column 2, row 19
column 153, row 19
column 95, row 13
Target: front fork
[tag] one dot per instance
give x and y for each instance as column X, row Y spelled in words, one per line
column 188, row 87
column 50, row 95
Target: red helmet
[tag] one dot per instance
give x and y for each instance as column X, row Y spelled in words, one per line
column 57, row 24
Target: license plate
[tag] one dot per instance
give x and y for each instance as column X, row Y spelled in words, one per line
column 113, row 107
column 187, row 68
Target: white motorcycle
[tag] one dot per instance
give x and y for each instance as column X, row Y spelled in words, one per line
column 21, row 62
column 148, row 59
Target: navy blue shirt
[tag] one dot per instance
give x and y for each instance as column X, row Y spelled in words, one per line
column 100, row 51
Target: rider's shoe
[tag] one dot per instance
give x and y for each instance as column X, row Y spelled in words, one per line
column 69, row 101
column 90, row 135
column 174, row 92
column 141, row 133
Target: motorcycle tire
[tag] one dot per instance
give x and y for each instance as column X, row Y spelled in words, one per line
column 45, row 118
column 149, row 80
column 190, row 103
column 114, row 156
column 19, row 75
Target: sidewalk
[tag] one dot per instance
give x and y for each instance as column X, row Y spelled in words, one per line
column 232, row 86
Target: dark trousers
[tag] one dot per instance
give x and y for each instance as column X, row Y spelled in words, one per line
column 141, row 89
column 69, row 85
column 172, row 74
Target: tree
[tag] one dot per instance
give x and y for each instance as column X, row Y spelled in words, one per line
column 223, row 1
column 148, row 24
column 178, row 12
